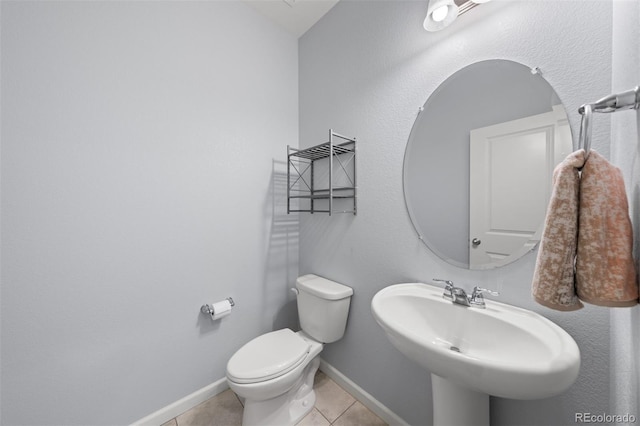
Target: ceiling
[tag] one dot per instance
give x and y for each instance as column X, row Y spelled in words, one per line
column 295, row 16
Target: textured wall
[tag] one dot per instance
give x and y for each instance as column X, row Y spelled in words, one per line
column 625, row 153
column 139, row 182
column 364, row 71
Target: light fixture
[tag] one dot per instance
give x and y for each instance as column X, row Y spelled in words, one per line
column 441, row 13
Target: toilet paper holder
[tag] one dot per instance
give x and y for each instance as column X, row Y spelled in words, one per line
column 208, row 309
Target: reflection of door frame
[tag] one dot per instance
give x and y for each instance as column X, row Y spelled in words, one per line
column 558, row 144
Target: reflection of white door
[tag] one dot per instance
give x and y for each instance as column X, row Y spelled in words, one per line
column 511, row 167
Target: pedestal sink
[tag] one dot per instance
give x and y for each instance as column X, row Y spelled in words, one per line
column 472, row 353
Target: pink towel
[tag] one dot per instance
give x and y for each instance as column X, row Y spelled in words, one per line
column 554, row 275
column 586, row 246
column 605, row 271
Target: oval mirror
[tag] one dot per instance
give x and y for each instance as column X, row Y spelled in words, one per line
column 479, row 163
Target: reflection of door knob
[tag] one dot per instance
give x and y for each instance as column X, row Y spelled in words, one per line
column 476, row 242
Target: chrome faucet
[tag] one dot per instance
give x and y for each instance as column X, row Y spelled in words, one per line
column 458, row 296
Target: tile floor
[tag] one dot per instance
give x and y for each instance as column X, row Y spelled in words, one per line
column 334, row 406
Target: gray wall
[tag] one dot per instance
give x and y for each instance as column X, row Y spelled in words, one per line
column 364, row 70
column 625, row 153
column 139, row 182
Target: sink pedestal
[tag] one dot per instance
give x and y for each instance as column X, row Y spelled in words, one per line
column 455, row 405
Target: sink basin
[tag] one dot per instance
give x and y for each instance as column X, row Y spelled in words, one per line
column 501, row 350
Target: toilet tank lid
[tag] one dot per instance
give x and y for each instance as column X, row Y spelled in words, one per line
column 322, row 287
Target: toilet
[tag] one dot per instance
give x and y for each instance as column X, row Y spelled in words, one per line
column 274, row 372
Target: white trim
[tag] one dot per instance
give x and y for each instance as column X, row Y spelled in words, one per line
column 361, row 395
column 174, row 409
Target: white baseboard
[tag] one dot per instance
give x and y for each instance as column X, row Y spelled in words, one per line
column 172, row 410
column 167, row 413
column 361, row 395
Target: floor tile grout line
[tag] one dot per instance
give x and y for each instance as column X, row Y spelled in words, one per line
column 342, row 414
column 325, row 417
column 239, row 400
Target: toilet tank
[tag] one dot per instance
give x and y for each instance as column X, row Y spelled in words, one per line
column 323, row 307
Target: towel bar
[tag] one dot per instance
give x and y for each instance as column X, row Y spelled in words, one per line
column 612, row 103
column 616, row 102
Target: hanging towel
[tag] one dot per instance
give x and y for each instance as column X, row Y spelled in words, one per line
column 605, row 271
column 554, row 276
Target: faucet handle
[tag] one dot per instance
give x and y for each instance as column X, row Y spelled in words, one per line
column 449, row 283
column 477, row 291
column 448, row 289
column 477, row 299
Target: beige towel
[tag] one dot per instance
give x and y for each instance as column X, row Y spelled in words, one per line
column 605, row 271
column 586, row 246
column 554, row 276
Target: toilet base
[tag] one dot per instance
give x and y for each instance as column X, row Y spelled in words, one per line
column 287, row 409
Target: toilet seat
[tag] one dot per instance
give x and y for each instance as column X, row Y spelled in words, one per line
column 268, row 356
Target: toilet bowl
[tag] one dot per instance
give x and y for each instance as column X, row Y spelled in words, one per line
column 274, row 372
column 281, row 388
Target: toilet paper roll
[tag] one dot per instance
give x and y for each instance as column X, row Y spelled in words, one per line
column 221, row 309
